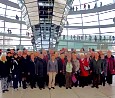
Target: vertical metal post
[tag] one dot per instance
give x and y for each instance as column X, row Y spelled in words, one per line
column 41, row 37
column 67, row 34
column 20, row 30
column 81, row 17
column 99, row 25
column 4, row 29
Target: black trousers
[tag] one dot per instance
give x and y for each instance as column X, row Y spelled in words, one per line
column 32, row 81
column 102, row 79
column 90, row 79
column 83, row 81
column 61, row 79
column 40, row 82
column 96, row 80
column 15, row 81
column 20, row 79
column 24, row 84
column 109, row 78
column 24, row 81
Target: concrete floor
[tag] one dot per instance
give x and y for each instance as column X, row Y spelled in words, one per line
column 86, row 92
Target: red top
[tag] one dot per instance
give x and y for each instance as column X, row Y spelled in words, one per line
column 83, row 63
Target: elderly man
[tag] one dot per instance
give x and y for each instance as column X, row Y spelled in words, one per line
column 96, row 68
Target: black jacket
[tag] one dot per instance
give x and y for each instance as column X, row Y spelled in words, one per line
column 60, row 65
column 4, row 69
column 44, row 67
column 39, row 67
column 15, row 68
column 96, row 66
column 10, row 62
column 31, row 68
column 24, row 65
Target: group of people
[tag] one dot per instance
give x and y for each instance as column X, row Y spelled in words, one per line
column 49, row 68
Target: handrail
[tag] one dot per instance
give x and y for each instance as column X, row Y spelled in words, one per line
column 98, row 9
column 13, row 35
column 94, row 26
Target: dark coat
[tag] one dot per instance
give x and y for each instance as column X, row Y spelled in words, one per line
column 19, row 59
column 10, row 63
column 45, row 67
column 4, row 69
column 15, row 68
column 61, row 66
column 110, row 64
column 24, row 66
column 31, row 68
column 96, row 66
column 39, row 67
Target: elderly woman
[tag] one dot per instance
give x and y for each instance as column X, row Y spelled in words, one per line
column 31, row 70
column 61, row 70
column 15, row 72
column 4, row 72
column 69, row 68
column 76, row 66
column 52, row 70
column 104, row 68
column 110, row 67
column 84, row 70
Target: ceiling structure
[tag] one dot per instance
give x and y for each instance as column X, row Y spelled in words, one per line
column 46, row 18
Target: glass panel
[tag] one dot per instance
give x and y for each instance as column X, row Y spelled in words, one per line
column 105, row 2
column 12, row 25
column 91, row 31
column 110, row 30
column 76, row 20
column 13, row 31
column 90, row 23
column 1, row 23
column 2, row 5
column 72, row 32
column 2, row 12
column 107, row 15
column 90, row 18
column 105, row 22
column 15, row 1
column 1, row 30
column 12, row 8
column 14, row 13
column 86, row 1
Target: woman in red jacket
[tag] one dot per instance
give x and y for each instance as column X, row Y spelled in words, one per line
column 84, row 70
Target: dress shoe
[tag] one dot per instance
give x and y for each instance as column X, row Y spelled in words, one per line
column 53, row 87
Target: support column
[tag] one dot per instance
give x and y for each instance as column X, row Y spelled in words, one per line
column 4, row 29
column 67, row 34
column 20, row 31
